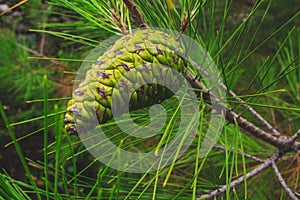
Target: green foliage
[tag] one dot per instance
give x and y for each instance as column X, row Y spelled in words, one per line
column 255, row 47
column 85, row 22
column 19, row 75
column 10, row 189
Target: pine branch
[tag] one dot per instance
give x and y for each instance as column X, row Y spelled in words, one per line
column 263, row 121
column 295, row 136
column 253, row 112
column 283, row 183
column 136, row 15
column 240, row 180
column 281, row 142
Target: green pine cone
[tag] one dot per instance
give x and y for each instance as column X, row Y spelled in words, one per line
column 138, row 53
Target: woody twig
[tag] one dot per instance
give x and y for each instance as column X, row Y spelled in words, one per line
column 282, row 143
column 136, row 14
column 240, row 180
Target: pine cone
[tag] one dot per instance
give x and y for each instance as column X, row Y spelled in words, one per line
column 136, row 53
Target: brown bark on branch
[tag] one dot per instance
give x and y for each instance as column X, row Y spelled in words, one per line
column 283, row 183
column 239, row 153
column 283, row 143
column 253, row 112
column 240, row 180
column 136, row 15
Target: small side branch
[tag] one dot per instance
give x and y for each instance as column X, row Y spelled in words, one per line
column 295, row 136
column 240, row 180
column 283, row 183
column 253, row 112
column 239, row 153
column 136, row 14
